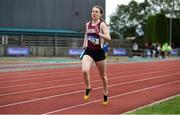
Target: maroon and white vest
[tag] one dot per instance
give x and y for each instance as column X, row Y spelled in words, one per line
column 94, row 40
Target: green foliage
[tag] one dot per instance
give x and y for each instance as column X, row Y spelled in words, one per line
column 150, row 28
column 168, row 7
column 131, row 31
column 128, row 18
column 161, row 28
column 175, row 32
column 157, row 28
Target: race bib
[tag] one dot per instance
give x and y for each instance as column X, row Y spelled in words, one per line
column 93, row 40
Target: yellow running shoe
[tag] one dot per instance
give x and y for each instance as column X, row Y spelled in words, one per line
column 87, row 95
column 105, row 100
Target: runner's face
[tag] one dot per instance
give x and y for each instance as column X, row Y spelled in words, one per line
column 95, row 13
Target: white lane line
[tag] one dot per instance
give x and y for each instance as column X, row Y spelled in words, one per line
column 115, row 96
column 66, row 85
column 38, row 83
column 67, row 79
column 36, row 78
column 53, row 96
column 30, row 73
column 41, row 74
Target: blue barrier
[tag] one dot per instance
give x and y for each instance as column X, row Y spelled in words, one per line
column 75, row 52
column 18, row 51
column 120, row 52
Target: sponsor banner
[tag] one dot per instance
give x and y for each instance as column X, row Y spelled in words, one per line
column 120, row 52
column 174, row 52
column 75, row 52
column 17, row 51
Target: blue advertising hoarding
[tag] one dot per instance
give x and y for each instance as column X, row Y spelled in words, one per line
column 174, row 52
column 18, row 51
column 120, row 52
column 75, row 52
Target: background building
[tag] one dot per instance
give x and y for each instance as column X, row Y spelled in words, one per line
column 43, row 27
column 46, row 14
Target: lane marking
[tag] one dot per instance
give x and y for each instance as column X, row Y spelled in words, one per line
column 71, row 84
column 74, row 92
column 75, row 78
column 112, row 97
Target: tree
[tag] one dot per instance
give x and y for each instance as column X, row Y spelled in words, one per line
column 130, row 20
column 157, row 30
column 118, row 21
column 171, row 8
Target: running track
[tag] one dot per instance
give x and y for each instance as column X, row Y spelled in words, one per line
column 61, row 90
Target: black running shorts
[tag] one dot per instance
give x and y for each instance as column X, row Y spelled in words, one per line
column 96, row 55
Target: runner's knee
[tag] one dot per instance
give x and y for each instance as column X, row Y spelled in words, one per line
column 85, row 72
column 104, row 79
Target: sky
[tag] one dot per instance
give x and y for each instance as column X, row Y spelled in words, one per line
column 111, row 6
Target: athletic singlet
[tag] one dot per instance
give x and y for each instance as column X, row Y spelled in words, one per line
column 94, row 41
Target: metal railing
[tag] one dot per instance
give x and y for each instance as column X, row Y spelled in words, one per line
column 51, row 45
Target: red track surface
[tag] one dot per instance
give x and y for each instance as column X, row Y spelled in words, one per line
column 55, row 91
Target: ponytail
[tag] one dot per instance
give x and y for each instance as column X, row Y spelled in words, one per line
column 102, row 20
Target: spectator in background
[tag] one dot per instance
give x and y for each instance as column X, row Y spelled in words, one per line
column 158, row 49
column 153, row 49
column 135, row 46
column 147, row 52
column 166, row 49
